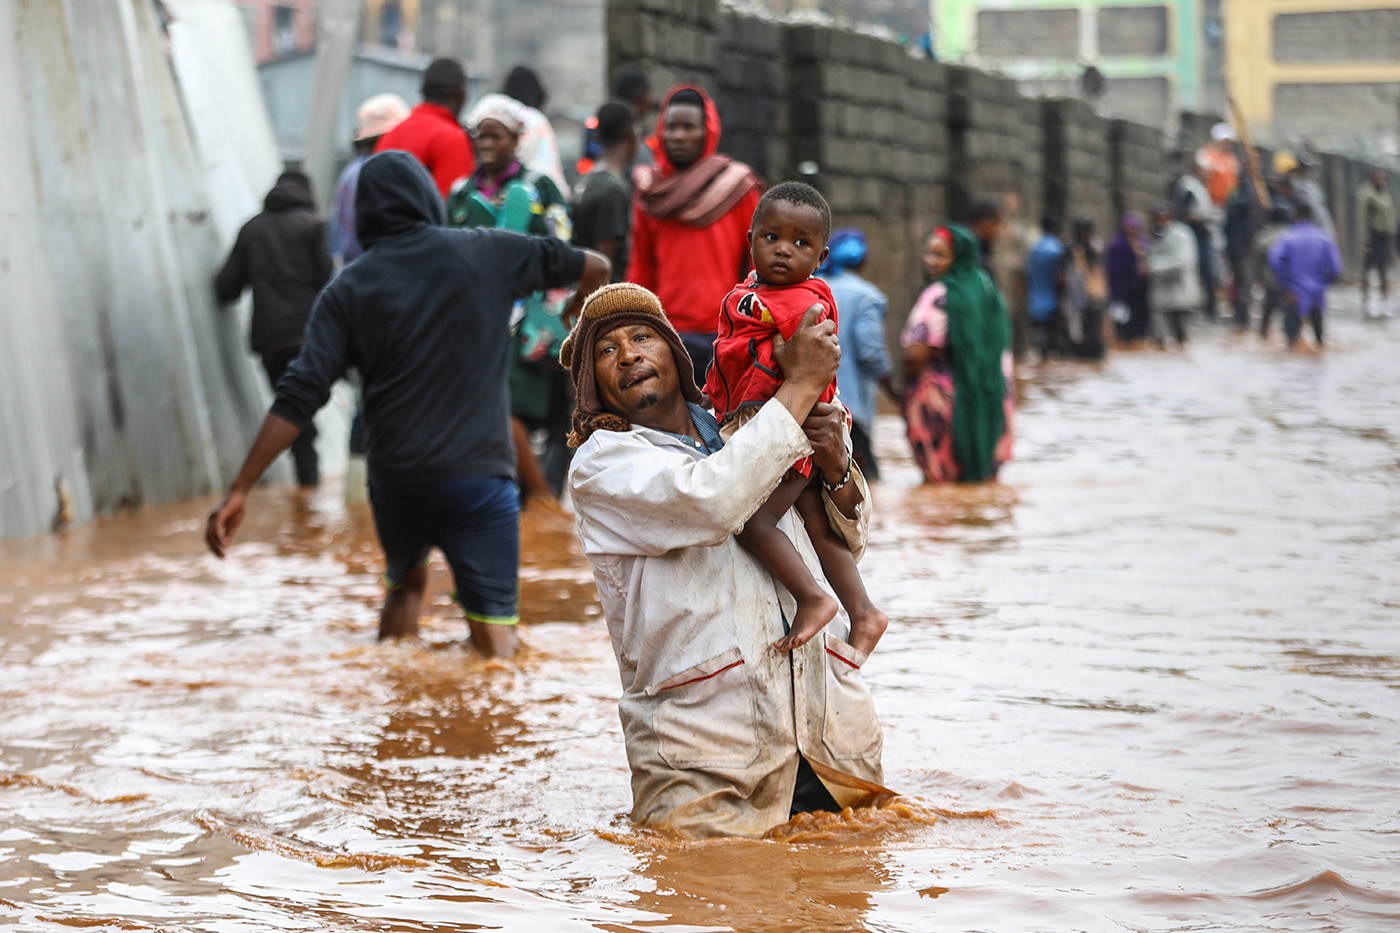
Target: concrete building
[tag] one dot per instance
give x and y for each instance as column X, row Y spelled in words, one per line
column 563, row 40
column 1151, row 53
column 1320, row 70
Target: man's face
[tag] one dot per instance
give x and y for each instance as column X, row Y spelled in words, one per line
column 635, row 371
column 987, row 229
column 683, row 135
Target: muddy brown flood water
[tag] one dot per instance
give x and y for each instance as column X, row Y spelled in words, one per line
column 1147, row 683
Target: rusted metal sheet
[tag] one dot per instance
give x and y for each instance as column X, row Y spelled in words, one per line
column 121, row 382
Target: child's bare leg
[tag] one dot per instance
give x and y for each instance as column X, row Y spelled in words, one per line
column 839, row 565
column 775, row 551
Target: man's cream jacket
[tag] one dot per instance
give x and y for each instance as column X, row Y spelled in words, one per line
column 713, row 718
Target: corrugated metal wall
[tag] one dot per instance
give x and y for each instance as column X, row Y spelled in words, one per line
column 119, row 376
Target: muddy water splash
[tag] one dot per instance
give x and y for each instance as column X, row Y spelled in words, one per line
column 1147, row 683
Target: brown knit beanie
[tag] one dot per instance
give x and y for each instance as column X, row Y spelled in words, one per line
column 610, row 307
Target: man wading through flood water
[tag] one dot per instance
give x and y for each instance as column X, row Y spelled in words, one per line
column 424, row 315
column 724, row 735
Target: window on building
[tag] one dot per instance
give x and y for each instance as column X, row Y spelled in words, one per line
column 284, row 30
column 1028, row 33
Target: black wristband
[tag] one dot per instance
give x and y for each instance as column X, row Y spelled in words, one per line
column 833, row 487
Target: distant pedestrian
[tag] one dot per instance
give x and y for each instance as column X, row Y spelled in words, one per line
column 431, row 133
column 376, row 116
column 1376, row 213
column 985, row 221
column 1296, row 171
column 690, row 221
column 1125, row 262
column 1243, row 215
column 1175, row 279
column 282, row 255
column 634, row 89
column 1221, row 172
column 1086, row 290
column 538, row 149
column 1045, row 279
column 958, row 398
column 1197, row 211
column 1262, row 272
column 865, row 361
column 424, row 315
column 603, row 203
column 1305, row 261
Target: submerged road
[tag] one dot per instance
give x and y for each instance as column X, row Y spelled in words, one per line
column 1149, row 682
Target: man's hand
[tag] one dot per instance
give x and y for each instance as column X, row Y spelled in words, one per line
column 808, row 361
column 823, row 428
column 223, row 523
column 813, row 354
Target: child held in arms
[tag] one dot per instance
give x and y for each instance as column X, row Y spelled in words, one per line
column 787, row 242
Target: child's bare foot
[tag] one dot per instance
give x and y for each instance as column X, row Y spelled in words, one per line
column 867, row 627
column 813, row 613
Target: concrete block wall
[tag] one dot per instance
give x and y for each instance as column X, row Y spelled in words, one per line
column 867, row 128
column 1078, row 176
column 995, row 144
column 898, row 144
column 1140, row 172
column 750, row 90
column 670, row 41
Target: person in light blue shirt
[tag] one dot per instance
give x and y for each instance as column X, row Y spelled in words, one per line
column 1044, row 282
column 865, row 360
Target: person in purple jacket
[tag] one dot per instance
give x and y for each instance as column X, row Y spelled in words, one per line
column 1305, row 261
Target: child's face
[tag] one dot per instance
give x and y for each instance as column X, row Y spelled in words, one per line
column 786, row 242
column 938, row 257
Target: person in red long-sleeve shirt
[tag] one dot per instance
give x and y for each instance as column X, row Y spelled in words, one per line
column 431, row 134
column 690, row 221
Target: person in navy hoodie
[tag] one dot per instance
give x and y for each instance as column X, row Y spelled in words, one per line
column 424, row 315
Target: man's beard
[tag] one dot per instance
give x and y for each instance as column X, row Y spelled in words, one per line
column 646, row 401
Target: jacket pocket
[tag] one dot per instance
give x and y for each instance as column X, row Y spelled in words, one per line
column 850, row 728
column 705, row 716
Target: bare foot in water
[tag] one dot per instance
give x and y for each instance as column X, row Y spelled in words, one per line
column 813, row 613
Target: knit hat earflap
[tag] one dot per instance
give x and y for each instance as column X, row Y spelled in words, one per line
column 608, row 308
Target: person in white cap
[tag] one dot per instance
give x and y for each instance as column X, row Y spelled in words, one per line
column 377, row 115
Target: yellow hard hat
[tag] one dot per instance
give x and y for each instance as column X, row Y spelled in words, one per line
column 1284, row 162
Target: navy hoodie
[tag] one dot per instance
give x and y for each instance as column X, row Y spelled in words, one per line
column 424, row 315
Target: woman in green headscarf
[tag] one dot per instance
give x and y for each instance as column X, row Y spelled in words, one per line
column 958, row 401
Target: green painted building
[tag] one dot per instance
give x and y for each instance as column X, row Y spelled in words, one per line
column 1151, row 53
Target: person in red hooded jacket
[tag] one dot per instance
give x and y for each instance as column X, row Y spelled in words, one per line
column 690, row 221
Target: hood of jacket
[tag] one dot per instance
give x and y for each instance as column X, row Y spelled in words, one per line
column 395, row 195
column 712, row 127
column 289, row 194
